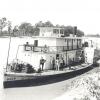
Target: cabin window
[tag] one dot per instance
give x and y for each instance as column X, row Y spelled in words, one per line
column 56, row 31
column 28, row 48
column 35, row 43
column 61, row 31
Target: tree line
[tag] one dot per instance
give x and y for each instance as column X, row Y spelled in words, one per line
column 93, row 35
column 27, row 29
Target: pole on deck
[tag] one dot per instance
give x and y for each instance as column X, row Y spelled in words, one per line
column 9, row 29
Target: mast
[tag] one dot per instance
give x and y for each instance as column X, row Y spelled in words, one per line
column 17, row 51
column 9, row 31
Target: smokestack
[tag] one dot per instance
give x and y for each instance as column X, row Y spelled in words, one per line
column 75, row 30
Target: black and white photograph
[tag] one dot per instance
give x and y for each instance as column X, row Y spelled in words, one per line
column 49, row 50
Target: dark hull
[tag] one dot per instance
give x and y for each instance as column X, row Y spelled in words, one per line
column 45, row 79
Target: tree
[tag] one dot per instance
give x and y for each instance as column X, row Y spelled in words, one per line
column 48, row 24
column 15, row 28
column 36, row 31
column 58, row 25
column 9, row 27
column 27, row 28
column 80, row 33
column 3, row 23
column 39, row 24
column 68, row 30
column 93, row 35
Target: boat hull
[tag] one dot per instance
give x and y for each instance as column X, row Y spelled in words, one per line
column 43, row 79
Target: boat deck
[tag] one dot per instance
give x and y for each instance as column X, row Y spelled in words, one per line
column 52, row 72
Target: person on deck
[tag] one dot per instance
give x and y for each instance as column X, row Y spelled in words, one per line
column 62, row 63
column 57, row 64
column 53, row 63
column 42, row 61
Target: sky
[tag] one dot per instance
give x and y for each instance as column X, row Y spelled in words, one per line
column 85, row 14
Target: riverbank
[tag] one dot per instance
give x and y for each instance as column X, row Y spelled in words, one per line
column 87, row 87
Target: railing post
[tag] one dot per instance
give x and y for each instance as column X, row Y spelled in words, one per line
column 67, row 45
column 77, row 44
column 72, row 44
column 63, row 48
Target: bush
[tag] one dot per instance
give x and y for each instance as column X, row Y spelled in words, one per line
column 30, row 69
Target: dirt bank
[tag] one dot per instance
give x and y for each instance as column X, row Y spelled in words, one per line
column 86, row 87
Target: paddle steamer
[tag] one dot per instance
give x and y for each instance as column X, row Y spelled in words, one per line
column 25, row 69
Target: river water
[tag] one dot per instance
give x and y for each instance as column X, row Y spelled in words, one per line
column 45, row 92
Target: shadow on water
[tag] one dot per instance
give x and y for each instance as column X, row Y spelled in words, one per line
column 43, row 80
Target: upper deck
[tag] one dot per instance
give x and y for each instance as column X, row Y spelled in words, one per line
column 53, row 44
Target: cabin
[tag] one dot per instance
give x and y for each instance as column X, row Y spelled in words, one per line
column 89, row 48
column 51, row 31
column 50, row 44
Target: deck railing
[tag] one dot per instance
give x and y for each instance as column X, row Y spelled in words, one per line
column 48, row 49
